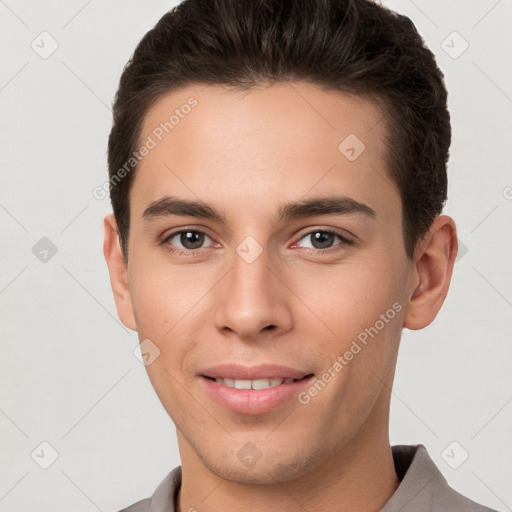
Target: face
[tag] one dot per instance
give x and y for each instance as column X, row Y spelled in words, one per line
column 296, row 259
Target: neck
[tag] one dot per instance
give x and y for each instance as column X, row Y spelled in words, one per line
column 360, row 476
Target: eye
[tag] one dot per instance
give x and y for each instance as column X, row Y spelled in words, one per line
column 189, row 239
column 324, row 239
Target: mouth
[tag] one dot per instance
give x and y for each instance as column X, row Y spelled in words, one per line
column 254, row 396
column 255, row 384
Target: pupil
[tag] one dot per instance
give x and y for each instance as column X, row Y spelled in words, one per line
column 322, row 238
column 191, row 239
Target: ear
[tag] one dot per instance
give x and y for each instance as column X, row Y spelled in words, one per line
column 431, row 274
column 118, row 272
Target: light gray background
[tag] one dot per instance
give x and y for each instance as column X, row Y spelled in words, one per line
column 68, row 373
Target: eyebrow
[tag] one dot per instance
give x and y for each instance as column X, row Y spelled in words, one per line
column 169, row 205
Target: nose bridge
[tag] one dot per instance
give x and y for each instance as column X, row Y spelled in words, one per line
column 250, row 299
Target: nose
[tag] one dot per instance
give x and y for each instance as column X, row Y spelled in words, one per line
column 252, row 300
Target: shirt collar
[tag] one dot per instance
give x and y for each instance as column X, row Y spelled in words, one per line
column 418, row 476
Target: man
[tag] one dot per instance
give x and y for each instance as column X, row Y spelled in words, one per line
column 277, row 175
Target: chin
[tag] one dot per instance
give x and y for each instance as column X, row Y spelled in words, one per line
column 266, row 471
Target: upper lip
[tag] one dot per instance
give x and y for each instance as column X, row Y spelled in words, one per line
column 262, row 371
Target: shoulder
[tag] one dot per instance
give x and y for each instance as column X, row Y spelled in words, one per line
column 164, row 497
column 422, row 487
column 141, row 506
column 455, row 500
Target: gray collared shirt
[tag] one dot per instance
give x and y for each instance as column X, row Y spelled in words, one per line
column 422, row 488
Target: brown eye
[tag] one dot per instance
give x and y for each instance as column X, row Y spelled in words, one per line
column 186, row 240
column 191, row 239
column 322, row 239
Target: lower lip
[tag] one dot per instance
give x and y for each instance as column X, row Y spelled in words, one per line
column 253, row 401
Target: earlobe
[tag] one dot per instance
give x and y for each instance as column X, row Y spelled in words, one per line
column 432, row 273
column 117, row 269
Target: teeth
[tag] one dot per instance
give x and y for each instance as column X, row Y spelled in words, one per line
column 253, row 384
column 242, row 384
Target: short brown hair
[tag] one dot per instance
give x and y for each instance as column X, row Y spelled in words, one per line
column 352, row 46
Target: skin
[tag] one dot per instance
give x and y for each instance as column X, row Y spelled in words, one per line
column 246, row 154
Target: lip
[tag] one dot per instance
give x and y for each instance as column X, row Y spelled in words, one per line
column 253, row 402
column 262, row 371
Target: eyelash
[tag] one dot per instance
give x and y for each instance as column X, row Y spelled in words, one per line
column 191, row 252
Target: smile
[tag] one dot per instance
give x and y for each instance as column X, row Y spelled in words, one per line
column 255, row 396
column 253, row 384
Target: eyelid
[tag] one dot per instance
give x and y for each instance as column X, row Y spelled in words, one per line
column 344, row 240
column 174, row 231
column 342, row 234
column 168, row 235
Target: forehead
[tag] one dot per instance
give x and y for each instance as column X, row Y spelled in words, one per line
column 299, row 108
column 242, row 145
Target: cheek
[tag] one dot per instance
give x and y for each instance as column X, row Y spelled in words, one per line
column 164, row 296
column 350, row 295
column 168, row 318
column 166, row 306
column 355, row 309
